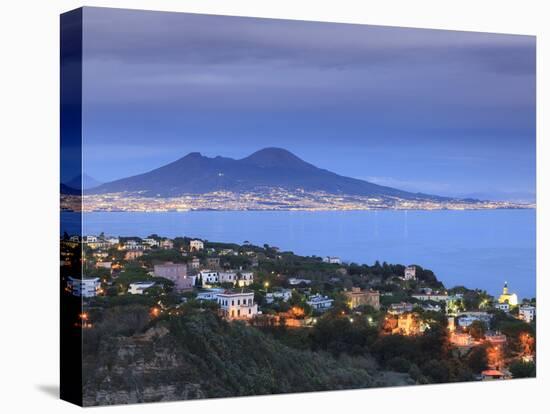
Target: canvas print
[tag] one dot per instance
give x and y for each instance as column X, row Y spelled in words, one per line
column 259, row 206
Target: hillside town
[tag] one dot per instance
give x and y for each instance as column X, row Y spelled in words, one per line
column 483, row 337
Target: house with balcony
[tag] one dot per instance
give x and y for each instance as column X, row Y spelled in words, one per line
column 85, row 287
column 237, row 304
column 319, row 303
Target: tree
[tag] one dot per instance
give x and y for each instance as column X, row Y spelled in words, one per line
column 521, row 369
column 477, row 359
column 477, row 330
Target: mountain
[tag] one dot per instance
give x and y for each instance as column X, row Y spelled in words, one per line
column 263, row 170
column 66, row 190
column 82, row 181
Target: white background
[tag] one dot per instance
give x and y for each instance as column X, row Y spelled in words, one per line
column 29, row 101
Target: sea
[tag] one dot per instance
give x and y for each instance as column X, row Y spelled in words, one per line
column 473, row 248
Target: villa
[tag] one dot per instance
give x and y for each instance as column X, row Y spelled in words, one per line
column 237, row 304
column 319, row 303
column 238, row 278
column 332, row 260
column 139, row 288
column 410, row 273
column 85, row 287
column 527, row 313
column 357, row 297
column 283, row 294
column 196, row 245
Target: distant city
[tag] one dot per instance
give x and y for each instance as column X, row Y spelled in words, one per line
column 272, row 199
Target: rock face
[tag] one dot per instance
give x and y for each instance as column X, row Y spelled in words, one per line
column 199, row 355
column 137, row 372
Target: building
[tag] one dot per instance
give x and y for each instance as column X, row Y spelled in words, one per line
column 504, row 307
column 195, row 263
column 465, row 319
column 85, row 287
column 410, row 273
column 112, row 241
column 196, row 245
column 461, row 339
column 176, row 272
column 357, row 297
column 237, row 304
column 283, row 294
column 103, row 265
column 209, row 277
column 238, row 278
column 210, row 294
column 399, row 308
column 492, row 374
column 319, row 303
column 495, row 338
column 90, row 239
column 151, row 242
column 428, row 307
column 132, row 245
column 435, row 297
column 213, row 262
column 296, row 281
column 332, row 260
column 527, row 313
column 167, row 244
column 409, row 324
column 139, row 287
column 133, row 254
column 507, row 297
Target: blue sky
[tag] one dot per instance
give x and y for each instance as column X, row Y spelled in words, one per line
column 443, row 112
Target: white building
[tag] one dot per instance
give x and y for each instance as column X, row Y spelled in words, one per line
column 319, row 303
column 112, row 240
column 210, row 294
column 237, row 304
column 410, row 273
column 196, row 245
column 294, row 281
column 527, row 313
column 505, row 307
column 151, row 242
column 90, row 239
column 283, row 294
column 399, row 308
column 209, row 277
column 85, row 287
column 332, row 260
column 465, row 319
column 139, row 287
column 436, row 297
column 238, row 278
column 133, row 245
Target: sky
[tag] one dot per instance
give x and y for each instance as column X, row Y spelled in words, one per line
column 441, row 112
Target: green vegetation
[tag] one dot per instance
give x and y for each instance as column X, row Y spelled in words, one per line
column 219, row 359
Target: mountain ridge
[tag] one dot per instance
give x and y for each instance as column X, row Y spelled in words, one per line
column 267, row 168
